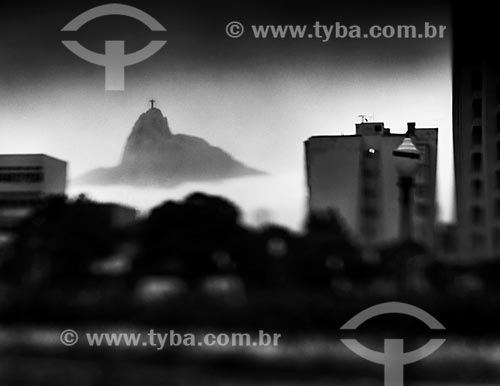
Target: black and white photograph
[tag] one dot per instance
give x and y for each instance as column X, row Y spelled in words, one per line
column 251, row 193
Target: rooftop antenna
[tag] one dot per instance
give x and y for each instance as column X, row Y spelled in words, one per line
column 363, row 118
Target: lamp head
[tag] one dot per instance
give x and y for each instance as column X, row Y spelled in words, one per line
column 407, row 158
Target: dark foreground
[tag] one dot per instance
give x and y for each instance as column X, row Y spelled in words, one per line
column 301, row 360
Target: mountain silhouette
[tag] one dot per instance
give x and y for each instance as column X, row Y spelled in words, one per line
column 155, row 156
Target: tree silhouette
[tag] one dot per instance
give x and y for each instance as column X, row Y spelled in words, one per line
column 328, row 249
column 188, row 238
column 59, row 242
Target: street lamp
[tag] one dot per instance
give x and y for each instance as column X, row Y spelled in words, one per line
column 407, row 158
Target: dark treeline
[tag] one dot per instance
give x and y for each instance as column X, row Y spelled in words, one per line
column 194, row 262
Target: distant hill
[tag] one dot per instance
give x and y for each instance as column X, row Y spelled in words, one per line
column 155, row 156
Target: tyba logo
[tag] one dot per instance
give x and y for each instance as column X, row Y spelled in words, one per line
column 393, row 358
column 114, row 60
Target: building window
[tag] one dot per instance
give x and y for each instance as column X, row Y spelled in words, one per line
column 369, row 231
column 477, row 215
column 477, row 188
column 477, row 162
column 20, row 168
column 422, row 190
column 423, row 174
column 378, row 128
column 424, row 152
column 477, row 107
column 477, row 135
column 11, row 177
column 369, row 193
column 496, row 238
column 477, row 81
column 369, row 212
column 371, row 152
column 422, row 210
column 369, row 173
column 477, row 240
column 422, row 231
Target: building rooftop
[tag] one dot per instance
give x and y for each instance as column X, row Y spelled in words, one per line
column 368, row 128
column 31, row 155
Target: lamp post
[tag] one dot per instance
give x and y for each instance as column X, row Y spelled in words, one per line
column 407, row 158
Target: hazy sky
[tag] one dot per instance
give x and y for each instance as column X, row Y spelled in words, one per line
column 257, row 99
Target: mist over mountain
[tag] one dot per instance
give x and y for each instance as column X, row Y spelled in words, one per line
column 153, row 155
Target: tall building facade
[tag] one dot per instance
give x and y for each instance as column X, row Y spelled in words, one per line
column 25, row 179
column 476, row 102
column 356, row 176
column 476, row 130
